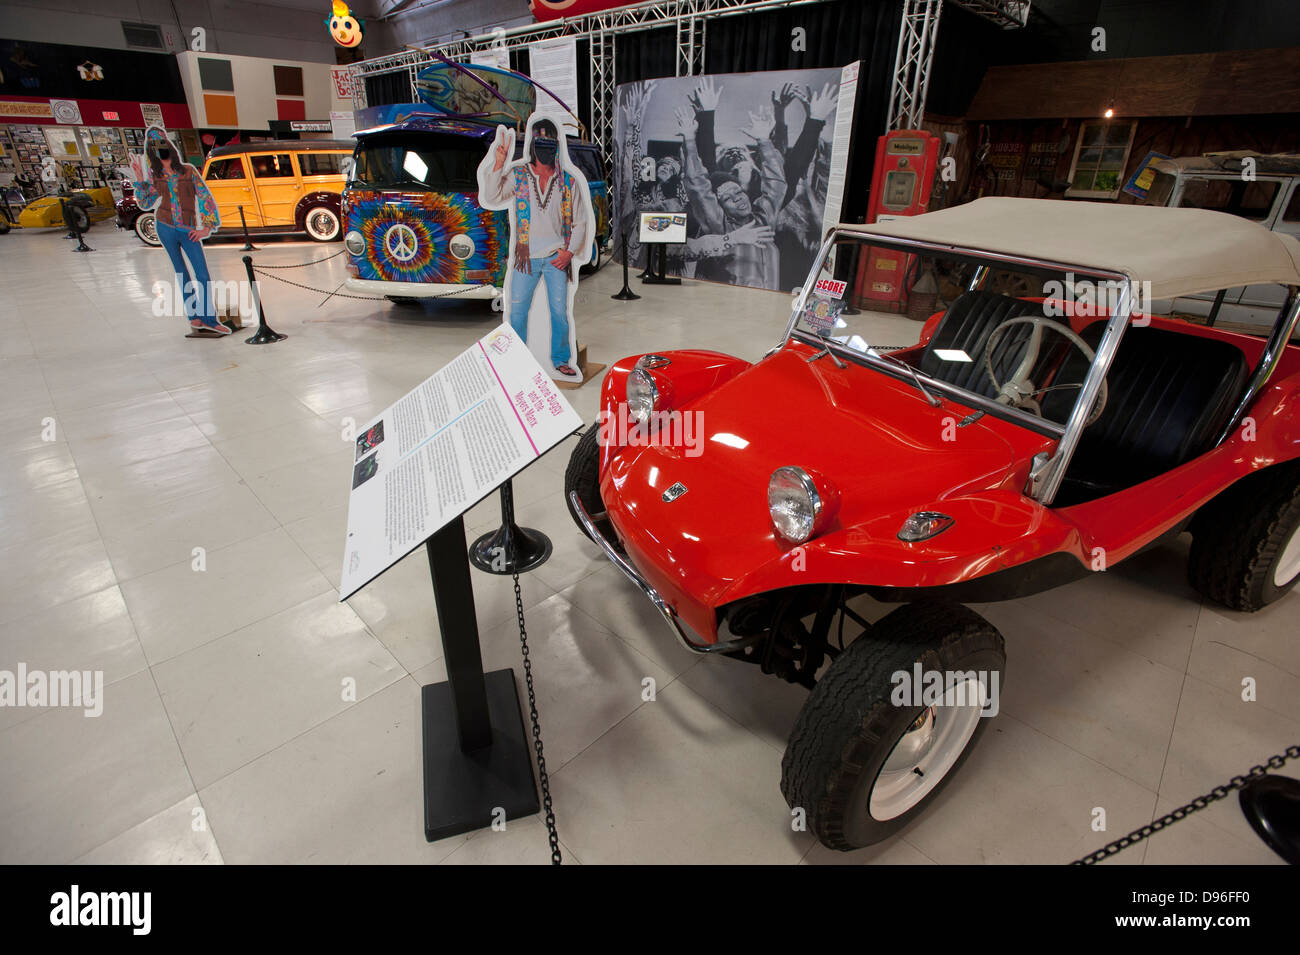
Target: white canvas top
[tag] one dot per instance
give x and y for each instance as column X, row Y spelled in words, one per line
column 1179, row 251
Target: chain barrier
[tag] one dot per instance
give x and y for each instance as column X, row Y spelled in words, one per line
column 1182, row 812
column 303, row 265
column 543, row 779
column 363, row 298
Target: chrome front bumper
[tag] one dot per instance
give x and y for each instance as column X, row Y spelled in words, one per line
column 632, row 574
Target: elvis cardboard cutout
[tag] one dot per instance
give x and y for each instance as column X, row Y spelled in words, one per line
column 552, row 228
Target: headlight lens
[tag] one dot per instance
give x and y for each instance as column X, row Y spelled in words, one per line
column 794, row 503
column 355, row 242
column 642, row 396
column 462, row 246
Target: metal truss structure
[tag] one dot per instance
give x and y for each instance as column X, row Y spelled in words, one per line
column 690, row 19
column 916, row 38
column 687, row 17
column 1008, row 14
column 916, row 41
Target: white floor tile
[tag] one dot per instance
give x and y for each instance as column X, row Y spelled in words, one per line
column 281, row 676
column 72, row 782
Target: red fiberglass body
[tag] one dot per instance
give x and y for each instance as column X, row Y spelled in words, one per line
column 886, row 453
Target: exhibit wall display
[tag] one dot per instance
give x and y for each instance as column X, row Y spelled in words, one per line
column 551, row 232
column 757, row 160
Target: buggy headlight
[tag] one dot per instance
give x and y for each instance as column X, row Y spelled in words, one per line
column 355, row 242
column 794, row 503
column 642, row 395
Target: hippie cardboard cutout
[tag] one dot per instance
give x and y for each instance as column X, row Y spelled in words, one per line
column 185, row 214
column 551, row 230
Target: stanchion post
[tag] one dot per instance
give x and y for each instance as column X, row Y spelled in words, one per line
column 265, row 335
column 510, row 549
column 73, row 231
column 248, row 243
column 625, row 294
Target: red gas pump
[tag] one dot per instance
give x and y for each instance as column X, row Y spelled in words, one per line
column 906, row 160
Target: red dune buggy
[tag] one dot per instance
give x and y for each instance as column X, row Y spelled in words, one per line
column 1045, row 427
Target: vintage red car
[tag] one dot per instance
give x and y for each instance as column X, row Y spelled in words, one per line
column 131, row 216
column 1044, row 428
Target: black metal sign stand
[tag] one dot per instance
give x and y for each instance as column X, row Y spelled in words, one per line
column 660, row 277
column 476, row 756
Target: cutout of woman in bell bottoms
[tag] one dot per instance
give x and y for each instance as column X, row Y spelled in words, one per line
column 185, row 214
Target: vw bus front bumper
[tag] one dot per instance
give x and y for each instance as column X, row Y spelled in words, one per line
column 421, row 289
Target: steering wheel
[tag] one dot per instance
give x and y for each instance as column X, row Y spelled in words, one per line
column 1018, row 391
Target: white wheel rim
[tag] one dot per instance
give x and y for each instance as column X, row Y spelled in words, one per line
column 926, row 752
column 322, row 223
column 147, row 230
column 1287, row 567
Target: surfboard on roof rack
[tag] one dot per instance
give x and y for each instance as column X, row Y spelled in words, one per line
column 484, row 93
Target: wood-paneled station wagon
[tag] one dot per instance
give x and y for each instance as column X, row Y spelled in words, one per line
column 1026, row 441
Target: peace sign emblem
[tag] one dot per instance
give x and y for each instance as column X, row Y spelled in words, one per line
column 400, row 242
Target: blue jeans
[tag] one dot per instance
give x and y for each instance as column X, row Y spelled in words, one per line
column 522, row 287
column 197, row 290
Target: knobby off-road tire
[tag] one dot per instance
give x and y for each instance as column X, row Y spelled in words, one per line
column 1241, row 537
column 583, row 476
column 848, row 726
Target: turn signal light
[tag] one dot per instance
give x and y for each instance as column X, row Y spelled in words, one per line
column 923, row 525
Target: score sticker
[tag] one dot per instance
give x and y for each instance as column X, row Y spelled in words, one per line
column 831, row 288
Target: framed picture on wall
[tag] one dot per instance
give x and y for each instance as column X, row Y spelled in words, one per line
column 1100, row 155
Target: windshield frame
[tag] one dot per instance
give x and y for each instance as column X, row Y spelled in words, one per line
column 1045, row 480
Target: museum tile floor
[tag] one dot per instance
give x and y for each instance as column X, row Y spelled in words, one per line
column 225, row 735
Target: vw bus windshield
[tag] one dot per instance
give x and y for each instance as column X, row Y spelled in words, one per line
column 1022, row 337
column 429, row 162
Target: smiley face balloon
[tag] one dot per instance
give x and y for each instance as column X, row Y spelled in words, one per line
column 344, row 27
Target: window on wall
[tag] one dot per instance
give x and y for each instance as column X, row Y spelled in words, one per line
column 1100, row 156
column 216, row 75
column 147, row 36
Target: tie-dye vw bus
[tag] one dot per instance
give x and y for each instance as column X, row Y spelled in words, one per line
column 413, row 227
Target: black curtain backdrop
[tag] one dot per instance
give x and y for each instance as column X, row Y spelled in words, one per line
column 836, row 34
column 385, row 89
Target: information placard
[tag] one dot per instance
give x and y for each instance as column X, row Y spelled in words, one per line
column 663, row 227
column 444, row 447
